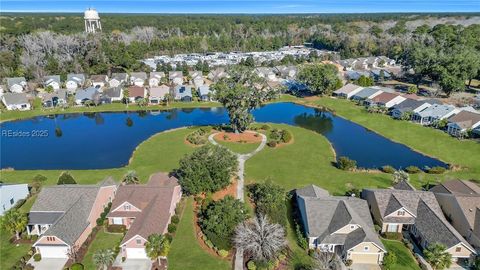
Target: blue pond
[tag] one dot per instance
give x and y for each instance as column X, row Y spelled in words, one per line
column 107, row 140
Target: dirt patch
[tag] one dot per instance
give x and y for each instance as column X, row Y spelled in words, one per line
column 230, row 190
column 245, row 137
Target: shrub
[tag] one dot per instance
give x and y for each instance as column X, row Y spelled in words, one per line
column 175, row 219
column 275, row 135
column 100, row 221
column 348, row 262
column 389, row 260
column 209, row 243
column 436, row 170
column 198, row 137
column 251, row 265
column 223, row 253
column 171, row 228
column 377, row 228
column 116, row 228
column 65, row 178
column 346, row 164
column 37, row 257
column 265, row 127
column 76, row 266
column 301, row 240
column 286, row 136
column 388, row 169
column 409, row 246
column 169, row 237
column 412, row 169
column 272, row 144
column 282, row 257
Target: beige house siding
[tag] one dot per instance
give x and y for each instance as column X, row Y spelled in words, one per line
column 385, row 227
column 463, row 252
column 43, row 240
column 359, row 254
column 396, row 213
column 347, row 229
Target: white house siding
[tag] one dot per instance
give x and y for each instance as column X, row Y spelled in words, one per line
column 16, row 88
column 11, row 194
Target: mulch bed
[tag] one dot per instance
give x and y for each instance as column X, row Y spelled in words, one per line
column 230, row 190
column 245, row 137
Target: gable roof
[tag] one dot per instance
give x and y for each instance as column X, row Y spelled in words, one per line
column 409, row 105
column 119, row 76
column 157, row 75
column 52, row 78
column 404, row 185
column 175, row 74
column 347, row 89
column 16, row 80
column 384, row 97
column 204, row 90
column 437, row 110
column 183, row 91
column 153, row 199
column 160, row 91
column 98, row 78
column 366, row 92
column 138, row 75
column 465, row 119
column 325, row 214
column 136, row 91
column 457, row 187
column 15, row 98
column 60, row 93
column 87, row 93
column 78, row 78
column 67, row 207
column 113, row 92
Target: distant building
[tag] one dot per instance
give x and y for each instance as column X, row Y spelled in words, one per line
column 92, row 21
column 11, row 194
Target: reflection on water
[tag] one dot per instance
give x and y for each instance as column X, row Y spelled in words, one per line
column 107, row 140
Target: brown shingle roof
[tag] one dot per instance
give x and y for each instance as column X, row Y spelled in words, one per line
column 153, row 199
column 384, row 97
column 457, row 187
column 136, row 91
column 465, row 119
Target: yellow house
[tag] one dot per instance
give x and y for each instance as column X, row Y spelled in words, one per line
column 340, row 225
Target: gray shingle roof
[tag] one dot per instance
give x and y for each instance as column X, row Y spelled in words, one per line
column 312, row 191
column 87, row 93
column 326, row 214
column 52, row 78
column 408, row 105
column 16, row 80
column 78, row 78
column 113, row 92
column 15, row 98
column 204, row 90
column 347, row 89
column 437, row 110
column 365, row 93
column 43, row 217
column 182, row 91
column 403, row 185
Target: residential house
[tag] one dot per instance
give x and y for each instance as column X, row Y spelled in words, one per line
column 217, row 74
column 74, row 81
column 418, row 213
column 16, row 101
column 64, row 216
column 136, row 92
column 409, row 106
column 144, row 210
column 113, row 94
column 99, row 81
column 434, row 113
column 176, row 77
column 348, row 90
column 286, row 72
column 267, row 73
column 376, row 74
column 385, row 100
column 459, row 124
column 340, row 225
column 138, row 78
column 118, row 79
column 17, row 84
column 10, row 194
column 155, row 78
column 197, row 78
column 158, row 94
column 53, row 81
column 183, row 93
column 460, row 202
column 205, row 93
column 54, row 99
column 353, row 75
column 367, row 93
column 87, row 94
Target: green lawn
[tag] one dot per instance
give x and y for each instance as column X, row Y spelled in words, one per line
column 241, row 148
column 405, row 259
column 103, row 240
column 186, row 252
column 307, row 161
column 429, row 141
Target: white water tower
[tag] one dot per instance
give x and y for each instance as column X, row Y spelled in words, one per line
column 92, row 21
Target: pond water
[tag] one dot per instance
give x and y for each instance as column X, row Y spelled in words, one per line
column 107, row 140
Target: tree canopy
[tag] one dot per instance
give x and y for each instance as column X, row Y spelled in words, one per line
column 321, row 79
column 207, row 169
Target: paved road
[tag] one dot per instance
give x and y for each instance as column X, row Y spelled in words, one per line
column 241, row 184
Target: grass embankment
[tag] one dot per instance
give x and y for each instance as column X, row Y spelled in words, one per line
column 238, row 147
column 430, row 141
column 405, row 259
column 186, row 252
column 103, row 240
column 114, row 107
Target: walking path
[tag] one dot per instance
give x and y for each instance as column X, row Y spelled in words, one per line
column 241, row 183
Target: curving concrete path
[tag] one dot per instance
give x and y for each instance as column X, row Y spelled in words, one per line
column 241, row 183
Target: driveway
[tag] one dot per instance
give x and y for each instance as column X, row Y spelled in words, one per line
column 48, row 264
column 364, row 266
column 133, row 264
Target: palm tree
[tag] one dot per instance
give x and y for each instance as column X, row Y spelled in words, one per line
column 168, row 98
column 259, row 238
column 130, row 178
column 157, row 246
column 126, row 96
column 437, row 256
column 103, row 258
column 14, row 221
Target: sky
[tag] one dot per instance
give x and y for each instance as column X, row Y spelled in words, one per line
column 245, row 6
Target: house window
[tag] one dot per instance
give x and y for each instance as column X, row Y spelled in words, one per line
column 126, row 207
column 366, row 248
column 12, row 201
column 352, row 227
column 458, row 249
column 50, row 238
column 401, row 213
column 139, row 241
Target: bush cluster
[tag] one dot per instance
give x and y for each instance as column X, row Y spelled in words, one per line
column 436, row 170
column 388, row 169
column 269, row 199
column 346, row 164
column 412, row 169
column 103, row 215
column 199, row 136
column 277, row 136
